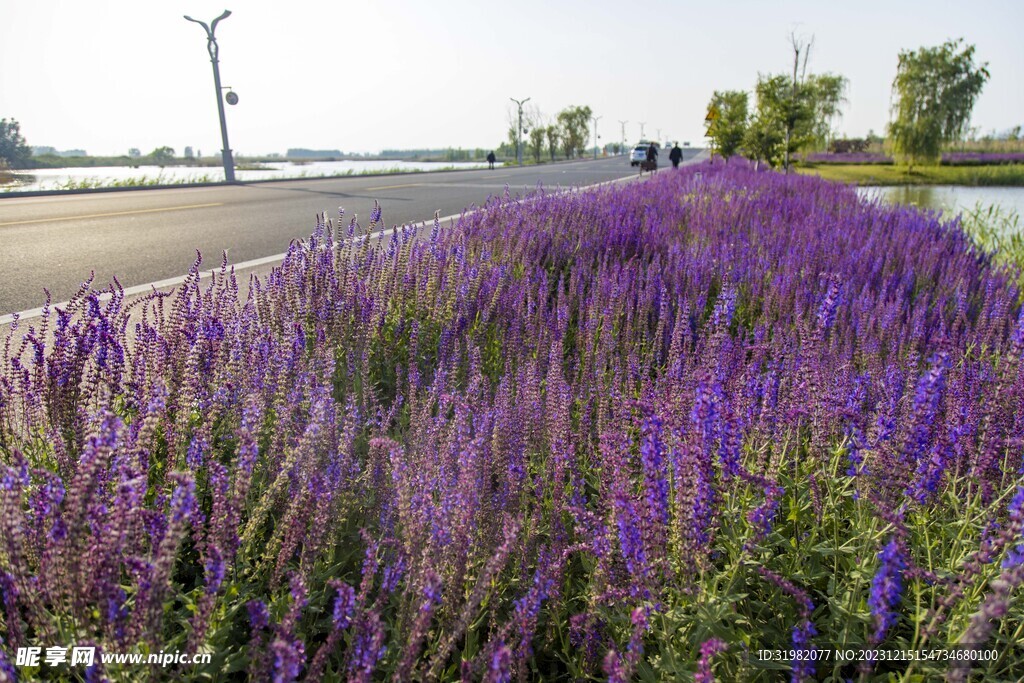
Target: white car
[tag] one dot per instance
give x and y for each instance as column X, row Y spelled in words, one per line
column 638, row 155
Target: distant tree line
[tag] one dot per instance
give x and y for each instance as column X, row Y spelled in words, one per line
column 439, row 153
column 53, row 151
column 849, row 145
column 933, row 96
column 302, row 153
column 16, row 153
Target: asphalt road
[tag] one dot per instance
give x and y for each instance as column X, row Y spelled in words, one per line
column 146, row 236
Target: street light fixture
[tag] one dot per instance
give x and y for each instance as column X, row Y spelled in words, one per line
column 214, row 50
column 642, row 129
column 519, row 130
column 595, row 119
column 623, row 124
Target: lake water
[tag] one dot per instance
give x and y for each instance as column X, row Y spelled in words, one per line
column 58, row 178
column 950, row 199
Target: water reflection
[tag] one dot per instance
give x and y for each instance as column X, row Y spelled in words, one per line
column 950, row 199
column 107, row 176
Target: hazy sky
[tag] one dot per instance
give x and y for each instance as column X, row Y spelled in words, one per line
column 105, row 76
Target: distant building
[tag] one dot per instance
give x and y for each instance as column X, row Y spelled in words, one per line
column 189, row 154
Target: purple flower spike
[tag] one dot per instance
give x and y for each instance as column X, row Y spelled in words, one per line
column 499, row 668
column 344, row 605
column 887, row 588
column 708, row 650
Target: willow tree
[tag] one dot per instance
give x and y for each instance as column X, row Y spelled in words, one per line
column 934, row 94
column 554, row 134
column 575, row 124
column 827, row 94
column 537, row 135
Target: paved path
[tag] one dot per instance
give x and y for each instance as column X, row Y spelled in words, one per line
column 149, row 236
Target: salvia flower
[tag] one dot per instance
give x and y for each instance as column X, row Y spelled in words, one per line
column 344, row 605
column 288, row 657
column 763, row 516
column 183, row 500
column 931, row 458
column 368, row 647
column 1015, row 554
column 652, row 457
column 887, row 588
column 829, row 303
column 630, row 536
column 259, row 615
column 708, row 650
column 214, row 568
column 499, row 668
column 453, row 397
column 802, row 667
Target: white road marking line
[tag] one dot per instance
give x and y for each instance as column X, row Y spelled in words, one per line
column 115, row 213
column 393, row 187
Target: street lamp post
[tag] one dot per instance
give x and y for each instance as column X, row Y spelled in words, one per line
column 595, row 119
column 519, row 130
column 642, row 129
column 211, row 46
column 623, row 124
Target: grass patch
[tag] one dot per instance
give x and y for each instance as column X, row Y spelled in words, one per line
column 891, row 174
column 997, row 231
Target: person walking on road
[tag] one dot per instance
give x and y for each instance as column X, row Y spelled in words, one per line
column 651, row 163
column 675, row 156
column 490, row 160
column 652, row 153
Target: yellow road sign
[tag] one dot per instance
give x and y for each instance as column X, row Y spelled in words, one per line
column 712, row 114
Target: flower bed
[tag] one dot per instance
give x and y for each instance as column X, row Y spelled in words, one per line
column 648, row 431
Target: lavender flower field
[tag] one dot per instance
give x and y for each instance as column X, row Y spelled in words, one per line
column 641, row 432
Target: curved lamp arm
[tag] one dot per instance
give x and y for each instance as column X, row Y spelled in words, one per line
column 225, row 15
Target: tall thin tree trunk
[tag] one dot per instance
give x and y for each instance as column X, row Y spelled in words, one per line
column 798, row 46
column 792, row 103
